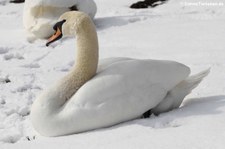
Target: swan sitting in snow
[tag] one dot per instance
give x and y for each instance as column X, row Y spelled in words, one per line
column 40, row 15
column 94, row 96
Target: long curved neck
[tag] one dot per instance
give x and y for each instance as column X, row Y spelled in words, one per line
column 47, row 109
column 87, row 51
column 84, row 69
column 86, row 62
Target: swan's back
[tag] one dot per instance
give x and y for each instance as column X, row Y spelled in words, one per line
column 122, row 90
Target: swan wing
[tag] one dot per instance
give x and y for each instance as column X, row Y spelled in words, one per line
column 123, row 90
column 104, row 63
column 118, row 76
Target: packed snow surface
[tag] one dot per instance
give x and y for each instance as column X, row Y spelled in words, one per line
column 189, row 31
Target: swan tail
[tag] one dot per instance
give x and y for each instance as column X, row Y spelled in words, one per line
column 175, row 97
column 192, row 81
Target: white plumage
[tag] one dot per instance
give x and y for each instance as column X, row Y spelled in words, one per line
column 40, row 15
column 121, row 90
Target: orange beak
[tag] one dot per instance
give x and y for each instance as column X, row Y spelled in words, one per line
column 55, row 37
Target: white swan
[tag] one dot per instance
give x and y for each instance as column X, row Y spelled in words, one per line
column 123, row 89
column 40, row 15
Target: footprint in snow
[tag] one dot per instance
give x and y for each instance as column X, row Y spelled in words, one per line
column 27, row 87
column 7, row 55
column 31, row 65
column 166, row 125
column 136, row 19
column 2, row 101
column 65, row 68
column 4, row 80
column 29, row 138
column 14, row 56
column 4, row 50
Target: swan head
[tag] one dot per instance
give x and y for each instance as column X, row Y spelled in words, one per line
column 69, row 24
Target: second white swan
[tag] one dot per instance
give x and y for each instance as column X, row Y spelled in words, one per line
column 94, row 96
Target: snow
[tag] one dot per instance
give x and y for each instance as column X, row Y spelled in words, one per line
column 191, row 34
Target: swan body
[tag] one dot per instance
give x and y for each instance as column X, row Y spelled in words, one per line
column 116, row 90
column 40, row 15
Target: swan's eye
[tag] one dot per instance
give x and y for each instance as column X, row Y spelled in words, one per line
column 55, row 27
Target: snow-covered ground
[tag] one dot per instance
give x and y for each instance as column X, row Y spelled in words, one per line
column 188, row 31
